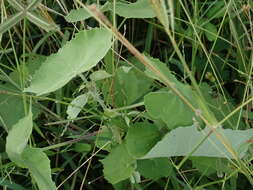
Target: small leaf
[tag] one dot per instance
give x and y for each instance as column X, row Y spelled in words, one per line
column 169, row 108
column 141, row 137
column 211, row 31
column 77, row 56
column 104, row 136
column 82, row 14
column 118, row 165
column 217, row 10
column 154, row 168
column 139, row 9
column 76, row 106
column 82, row 147
column 18, row 137
column 181, row 141
column 99, row 75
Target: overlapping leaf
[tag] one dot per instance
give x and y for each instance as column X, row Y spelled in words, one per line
column 121, row 169
column 181, row 142
column 139, row 9
column 32, row 158
column 77, row 56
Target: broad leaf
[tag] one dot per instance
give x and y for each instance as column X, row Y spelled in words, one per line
column 141, row 137
column 182, row 141
column 118, row 165
column 169, row 108
column 154, row 168
column 32, row 158
column 77, row 56
column 39, row 166
column 76, row 106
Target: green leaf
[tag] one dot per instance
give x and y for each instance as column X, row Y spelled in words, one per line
column 169, row 108
column 184, row 89
column 208, row 165
column 77, row 56
column 139, row 9
column 118, row 165
column 32, row 158
column 217, row 10
column 82, row 147
column 99, row 75
column 11, row 107
column 76, row 106
column 82, row 14
column 211, row 32
column 220, row 107
column 141, row 137
column 104, row 137
column 18, row 137
column 154, row 168
column 129, row 85
column 39, row 166
column 10, row 184
column 182, row 141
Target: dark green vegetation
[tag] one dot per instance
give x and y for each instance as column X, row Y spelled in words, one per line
column 138, row 95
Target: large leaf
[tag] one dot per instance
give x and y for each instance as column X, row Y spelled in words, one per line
column 169, row 108
column 77, row 56
column 141, row 137
column 182, row 141
column 118, row 165
column 32, row 158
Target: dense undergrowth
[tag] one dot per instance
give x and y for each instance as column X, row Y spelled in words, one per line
column 147, row 94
